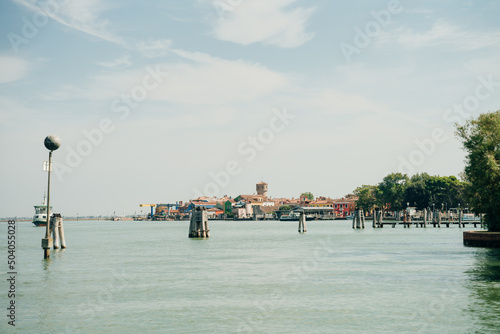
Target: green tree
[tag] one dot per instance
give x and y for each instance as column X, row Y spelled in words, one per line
column 228, row 207
column 416, row 192
column 445, row 191
column 308, row 194
column 367, row 197
column 481, row 140
column 285, row 208
column 391, row 191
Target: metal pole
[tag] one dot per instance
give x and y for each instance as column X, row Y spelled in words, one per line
column 46, row 253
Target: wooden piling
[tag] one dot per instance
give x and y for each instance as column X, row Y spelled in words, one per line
column 61, row 233
column 302, row 223
column 408, row 219
column 57, row 229
column 198, row 227
column 358, row 219
column 377, row 218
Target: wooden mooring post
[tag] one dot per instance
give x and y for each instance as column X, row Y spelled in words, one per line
column 302, row 223
column 377, row 218
column 436, row 218
column 406, row 219
column 198, row 227
column 56, row 225
column 358, row 221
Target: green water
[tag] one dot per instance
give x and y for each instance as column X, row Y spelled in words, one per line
column 252, row 277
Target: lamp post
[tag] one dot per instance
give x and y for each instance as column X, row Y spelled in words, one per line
column 52, row 143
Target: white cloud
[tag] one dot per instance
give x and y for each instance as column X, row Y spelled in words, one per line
column 443, row 33
column 209, row 80
column 268, row 22
column 198, row 79
column 82, row 15
column 117, row 63
column 15, row 112
column 12, row 69
column 334, row 102
column 154, row 48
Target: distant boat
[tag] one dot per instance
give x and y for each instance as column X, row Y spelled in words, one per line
column 294, row 216
column 40, row 217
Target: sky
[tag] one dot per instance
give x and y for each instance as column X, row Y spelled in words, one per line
column 165, row 101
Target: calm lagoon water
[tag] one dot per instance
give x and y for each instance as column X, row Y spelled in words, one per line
column 252, row 277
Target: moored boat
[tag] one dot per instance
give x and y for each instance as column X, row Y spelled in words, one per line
column 294, row 216
column 40, row 217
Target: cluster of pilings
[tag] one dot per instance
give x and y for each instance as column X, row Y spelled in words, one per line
column 377, row 217
column 198, row 228
column 358, row 220
column 56, row 225
column 56, row 229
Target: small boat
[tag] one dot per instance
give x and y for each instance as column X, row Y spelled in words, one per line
column 294, row 216
column 40, row 217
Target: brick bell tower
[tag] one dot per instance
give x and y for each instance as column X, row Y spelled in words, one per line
column 262, row 188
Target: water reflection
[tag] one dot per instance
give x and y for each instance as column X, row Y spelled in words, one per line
column 487, row 267
column 484, row 286
column 46, row 291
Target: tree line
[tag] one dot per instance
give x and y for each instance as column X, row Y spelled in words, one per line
column 396, row 191
column 480, row 190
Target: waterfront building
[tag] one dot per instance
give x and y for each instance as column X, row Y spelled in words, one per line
column 242, row 210
column 345, row 206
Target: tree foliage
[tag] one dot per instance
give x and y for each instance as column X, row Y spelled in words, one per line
column 391, row 190
column 417, row 192
column 481, row 141
column 307, row 194
column 397, row 190
column 367, row 197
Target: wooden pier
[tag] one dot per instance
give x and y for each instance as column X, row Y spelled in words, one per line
column 446, row 223
column 427, row 218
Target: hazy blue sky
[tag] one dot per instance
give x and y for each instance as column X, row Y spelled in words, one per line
column 159, row 101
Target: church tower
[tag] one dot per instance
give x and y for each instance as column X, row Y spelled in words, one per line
column 262, row 188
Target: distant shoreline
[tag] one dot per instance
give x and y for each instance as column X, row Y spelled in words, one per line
column 67, row 219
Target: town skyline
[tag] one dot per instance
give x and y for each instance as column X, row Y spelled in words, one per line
column 156, row 102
